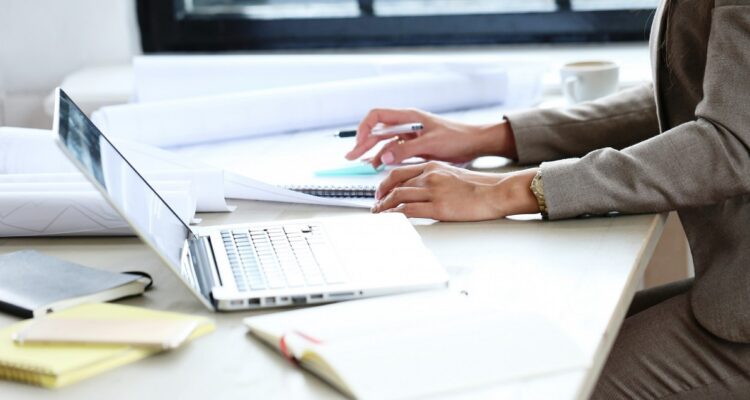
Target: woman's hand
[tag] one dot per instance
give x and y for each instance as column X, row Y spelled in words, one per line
column 442, row 192
column 441, row 139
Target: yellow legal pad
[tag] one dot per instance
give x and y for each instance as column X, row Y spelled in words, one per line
column 55, row 365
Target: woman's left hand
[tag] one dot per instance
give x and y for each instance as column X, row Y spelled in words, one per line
column 446, row 193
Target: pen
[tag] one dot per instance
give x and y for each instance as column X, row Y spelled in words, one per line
column 387, row 131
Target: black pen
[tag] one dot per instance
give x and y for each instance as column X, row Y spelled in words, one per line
column 387, row 131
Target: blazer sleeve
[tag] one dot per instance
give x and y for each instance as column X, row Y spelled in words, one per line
column 617, row 121
column 698, row 163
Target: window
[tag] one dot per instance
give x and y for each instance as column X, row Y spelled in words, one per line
column 215, row 25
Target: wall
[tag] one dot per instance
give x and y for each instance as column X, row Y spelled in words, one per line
column 41, row 41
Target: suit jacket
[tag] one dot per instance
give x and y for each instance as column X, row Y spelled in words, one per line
column 681, row 143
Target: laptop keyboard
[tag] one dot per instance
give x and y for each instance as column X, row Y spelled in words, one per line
column 280, row 257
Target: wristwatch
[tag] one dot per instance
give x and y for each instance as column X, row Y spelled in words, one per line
column 537, row 187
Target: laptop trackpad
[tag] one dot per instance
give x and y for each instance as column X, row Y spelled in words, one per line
column 382, row 250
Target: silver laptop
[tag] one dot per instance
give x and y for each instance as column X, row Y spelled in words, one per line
column 271, row 264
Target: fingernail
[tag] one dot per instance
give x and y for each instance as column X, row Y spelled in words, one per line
column 387, row 158
column 374, row 208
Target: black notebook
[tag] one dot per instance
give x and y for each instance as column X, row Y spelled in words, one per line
column 33, row 284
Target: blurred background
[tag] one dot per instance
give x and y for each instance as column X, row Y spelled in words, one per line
column 44, row 41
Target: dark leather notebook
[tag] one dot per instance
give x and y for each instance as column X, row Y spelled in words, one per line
column 33, row 284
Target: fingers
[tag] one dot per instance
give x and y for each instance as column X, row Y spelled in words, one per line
column 416, row 210
column 396, row 177
column 397, row 151
column 402, row 195
column 412, row 191
column 387, row 116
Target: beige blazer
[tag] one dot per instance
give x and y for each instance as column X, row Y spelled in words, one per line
column 681, row 144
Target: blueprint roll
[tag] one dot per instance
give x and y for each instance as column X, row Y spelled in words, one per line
column 68, row 205
column 171, row 77
column 289, row 109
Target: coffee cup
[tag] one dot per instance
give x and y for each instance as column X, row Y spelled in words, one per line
column 589, row 80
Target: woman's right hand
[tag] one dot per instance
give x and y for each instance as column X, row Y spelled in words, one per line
column 441, row 139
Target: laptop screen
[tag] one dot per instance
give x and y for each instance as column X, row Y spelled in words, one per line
column 136, row 200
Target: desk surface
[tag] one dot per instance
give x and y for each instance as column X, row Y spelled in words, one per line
column 579, row 273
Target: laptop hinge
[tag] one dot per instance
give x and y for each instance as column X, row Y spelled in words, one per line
column 204, row 265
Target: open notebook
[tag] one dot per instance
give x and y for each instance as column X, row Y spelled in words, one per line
column 417, row 345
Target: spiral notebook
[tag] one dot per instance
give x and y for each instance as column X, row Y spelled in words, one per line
column 328, row 182
column 343, row 191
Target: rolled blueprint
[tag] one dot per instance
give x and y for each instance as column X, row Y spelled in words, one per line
column 170, row 77
column 72, row 213
column 288, row 109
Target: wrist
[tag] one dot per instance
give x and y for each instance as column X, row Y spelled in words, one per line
column 514, row 194
column 497, row 140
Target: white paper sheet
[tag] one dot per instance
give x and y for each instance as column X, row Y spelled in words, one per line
column 272, row 111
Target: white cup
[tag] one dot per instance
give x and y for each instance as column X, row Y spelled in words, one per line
column 589, row 80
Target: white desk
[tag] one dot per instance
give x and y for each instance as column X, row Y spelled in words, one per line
column 579, row 273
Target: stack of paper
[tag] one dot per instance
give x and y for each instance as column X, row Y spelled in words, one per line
column 42, row 193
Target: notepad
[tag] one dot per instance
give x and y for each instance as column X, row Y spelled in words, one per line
column 418, row 345
column 165, row 334
column 52, row 366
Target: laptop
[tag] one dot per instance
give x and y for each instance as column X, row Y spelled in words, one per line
column 254, row 265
